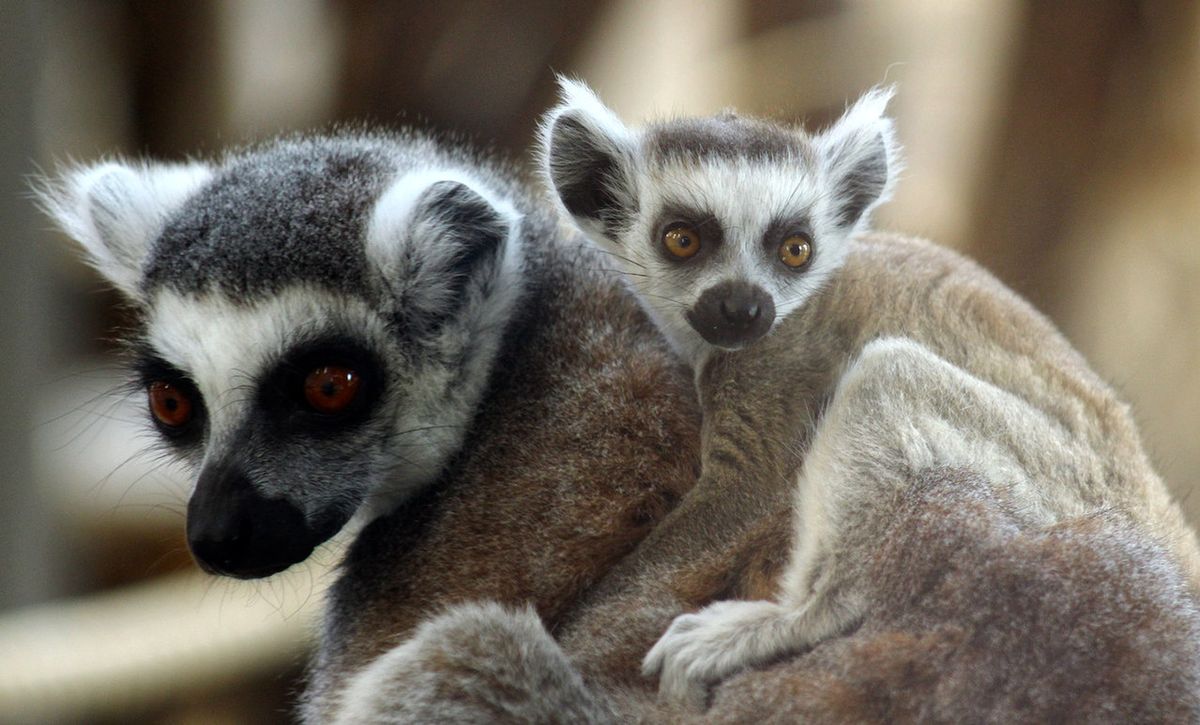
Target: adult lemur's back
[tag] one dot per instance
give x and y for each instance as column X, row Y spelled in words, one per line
column 587, row 436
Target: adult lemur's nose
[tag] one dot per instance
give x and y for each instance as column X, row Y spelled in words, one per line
column 234, row 530
column 732, row 314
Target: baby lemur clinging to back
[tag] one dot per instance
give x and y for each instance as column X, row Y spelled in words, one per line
column 747, row 242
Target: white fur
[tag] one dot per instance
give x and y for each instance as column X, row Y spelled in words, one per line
column 412, row 255
column 853, row 138
column 722, row 188
column 226, row 346
column 577, row 97
column 745, row 195
column 390, row 230
column 116, row 210
column 602, row 126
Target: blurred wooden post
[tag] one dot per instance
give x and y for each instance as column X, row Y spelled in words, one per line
column 28, row 570
column 479, row 67
column 175, row 72
column 1050, row 137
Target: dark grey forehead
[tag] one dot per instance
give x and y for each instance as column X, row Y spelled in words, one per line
column 293, row 212
column 726, row 136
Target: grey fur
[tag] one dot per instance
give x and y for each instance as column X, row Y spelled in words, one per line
column 387, row 253
column 563, row 429
column 727, row 136
column 283, row 214
column 475, row 663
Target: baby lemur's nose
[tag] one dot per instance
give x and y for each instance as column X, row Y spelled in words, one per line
column 739, row 312
column 732, row 314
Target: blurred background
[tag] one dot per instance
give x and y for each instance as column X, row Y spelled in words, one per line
column 1056, row 142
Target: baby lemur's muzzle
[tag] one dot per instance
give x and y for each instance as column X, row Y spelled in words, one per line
column 732, row 314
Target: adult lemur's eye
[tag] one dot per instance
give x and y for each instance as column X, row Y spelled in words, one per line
column 681, row 241
column 170, row 404
column 796, row 251
column 331, row 389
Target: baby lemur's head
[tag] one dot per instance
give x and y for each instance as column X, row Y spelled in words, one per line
column 723, row 225
column 317, row 321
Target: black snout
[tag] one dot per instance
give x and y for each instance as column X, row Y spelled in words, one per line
column 732, row 314
column 233, row 530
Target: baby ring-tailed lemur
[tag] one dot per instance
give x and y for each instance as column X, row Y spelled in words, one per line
column 747, row 242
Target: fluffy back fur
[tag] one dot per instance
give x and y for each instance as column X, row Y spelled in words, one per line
column 976, row 613
column 587, row 436
column 1055, row 442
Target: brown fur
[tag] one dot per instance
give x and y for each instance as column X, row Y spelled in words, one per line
column 761, row 404
column 959, row 629
column 589, row 437
column 977, row 620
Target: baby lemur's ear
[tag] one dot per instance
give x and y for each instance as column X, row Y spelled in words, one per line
column 587, row 154
column 116, row 210
column 861, row 157
column 440, row 240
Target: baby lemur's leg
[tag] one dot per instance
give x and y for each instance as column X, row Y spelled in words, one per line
column 898, row 411
column 475, row 663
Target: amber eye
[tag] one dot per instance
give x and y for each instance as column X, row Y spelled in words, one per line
column 331, row 389
column 169, row 404
column 681, row 241
column 795, row 251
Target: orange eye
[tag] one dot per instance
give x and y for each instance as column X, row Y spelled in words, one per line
column 169, row 404
column 330, row 389
column 681, row 241
column 795, row 251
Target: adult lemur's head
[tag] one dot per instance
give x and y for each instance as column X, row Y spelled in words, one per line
column 318, row 319
column 723, row 225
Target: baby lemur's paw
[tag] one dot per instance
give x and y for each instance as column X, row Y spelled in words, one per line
column 703, row 648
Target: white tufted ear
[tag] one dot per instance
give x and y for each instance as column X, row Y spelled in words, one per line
column 587, row 153
column 432, row 232
column 861, row 157
column 115, row 210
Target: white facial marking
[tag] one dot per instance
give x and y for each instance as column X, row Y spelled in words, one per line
column 392, row 220
column 225, row 347
column 115, row 209
column 746, row 197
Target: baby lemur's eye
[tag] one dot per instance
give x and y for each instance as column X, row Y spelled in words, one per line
column 331, row 389
column 170, row 404
column 681, row 240
column 796, row 251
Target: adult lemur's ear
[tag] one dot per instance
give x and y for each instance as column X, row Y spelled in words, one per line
column 861, row 157
column 440, row 240
column 116, row 210
column 587, row 155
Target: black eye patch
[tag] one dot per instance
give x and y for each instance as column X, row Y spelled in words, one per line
column 705, row 224
column 285, row 392
column 151, row 370
column 783, row 228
